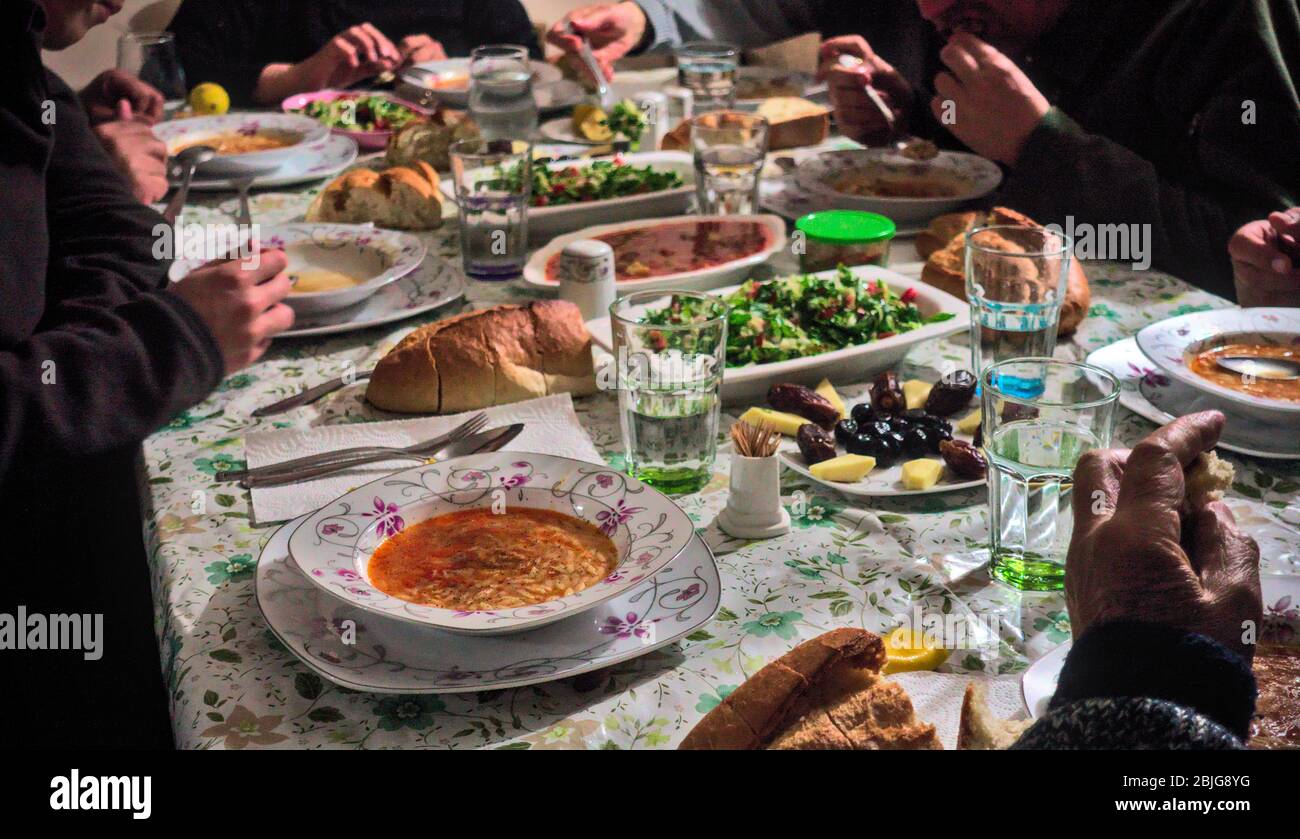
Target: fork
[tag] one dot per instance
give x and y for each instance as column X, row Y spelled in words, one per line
column 355, row 456
column 242, row 186
column 603, row 92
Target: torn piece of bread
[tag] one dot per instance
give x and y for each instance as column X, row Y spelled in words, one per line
column 826, row 693
column 980, row 728
column 1207, row 479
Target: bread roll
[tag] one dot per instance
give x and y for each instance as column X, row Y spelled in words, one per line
column 405, row 198
column 489, row 357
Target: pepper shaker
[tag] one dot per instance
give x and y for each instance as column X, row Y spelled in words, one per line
column 587, row 276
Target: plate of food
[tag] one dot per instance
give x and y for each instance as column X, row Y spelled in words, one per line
column 245, row 143
column 684, row 252
column 321, row 159
column 425, row 545
column 907, row 190
column 368, row 118
column 910, row 438
column 838, row 325
column 756, row 84
column 333, row 266
column 591, row 125
column 448, row 80
column 1262, row 344
column 570, row 195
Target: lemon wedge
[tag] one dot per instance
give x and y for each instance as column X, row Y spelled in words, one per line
column 905, row 650
column 209, row 98
column 589, row 122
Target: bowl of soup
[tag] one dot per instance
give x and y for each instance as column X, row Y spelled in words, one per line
column 490, row 543
column 330, row 266
column 245, row 143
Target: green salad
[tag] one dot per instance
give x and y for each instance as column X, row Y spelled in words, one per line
column 626, row 118
column 791, row 317
column 598, row 181
column 360, row 113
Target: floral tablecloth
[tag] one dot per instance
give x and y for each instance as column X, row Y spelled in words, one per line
column 233, row 685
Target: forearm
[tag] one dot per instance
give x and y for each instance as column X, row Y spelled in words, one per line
column 278, row 81
column 746, row 23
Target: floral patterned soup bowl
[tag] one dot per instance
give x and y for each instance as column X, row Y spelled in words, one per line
column 333, row 546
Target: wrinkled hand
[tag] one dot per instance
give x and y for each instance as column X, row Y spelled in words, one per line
column 1266, row 260
column 136, row 153
column 855, row 114
column 613, row 29
column 995, row 105
column 356, row 53
column 1137, row 560
column 103, row 95
column 243, row 307
column 415, row 49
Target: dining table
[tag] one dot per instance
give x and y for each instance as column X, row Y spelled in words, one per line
column 845, row 561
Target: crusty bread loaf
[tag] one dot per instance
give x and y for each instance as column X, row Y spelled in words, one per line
column 826, row 693
column 403, row 197
column 979, row 728
column 430, row 140
column 943, row 247
column 488, row 357
column 793, row 122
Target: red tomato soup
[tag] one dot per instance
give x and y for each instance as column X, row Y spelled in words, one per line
column 644, row 252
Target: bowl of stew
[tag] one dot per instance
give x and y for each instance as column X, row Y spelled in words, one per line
column 245, row 143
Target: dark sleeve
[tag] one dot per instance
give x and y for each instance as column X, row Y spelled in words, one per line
column 501, row 22
column 114, row 354
column 223, row 41
column 1130, row 684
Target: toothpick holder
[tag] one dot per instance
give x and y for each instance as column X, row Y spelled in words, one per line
column 754, row 508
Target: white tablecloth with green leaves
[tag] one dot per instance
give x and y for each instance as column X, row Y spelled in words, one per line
column 233, row 685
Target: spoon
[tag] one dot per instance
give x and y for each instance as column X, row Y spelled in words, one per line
column 187, row 161
column 913, row 148
column 1273, row 369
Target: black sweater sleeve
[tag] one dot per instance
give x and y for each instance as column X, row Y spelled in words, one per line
column 501, row 22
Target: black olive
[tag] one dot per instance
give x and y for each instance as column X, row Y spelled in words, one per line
column 879, row 428
column 892, row 444
column 862, row 414
column 845, row 430
column 900, row 423
column 937, row 436
column 916, row 415
column 916, row 442
column 863, row 444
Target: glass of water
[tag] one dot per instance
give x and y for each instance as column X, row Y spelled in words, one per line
column 1033, row 444
column 730, row 148
column 669, row 351
column 1015, row 282
column 494, row 180
column 151, row 57
column 708, row 70
column 501, row 92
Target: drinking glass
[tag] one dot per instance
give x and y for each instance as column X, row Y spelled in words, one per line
column 730, row 148
column 151, row 57
column 1033, row 444
column 669, row 379
column 501, row 92
column 493, row 180
column 1015, row 282
column 708, row 70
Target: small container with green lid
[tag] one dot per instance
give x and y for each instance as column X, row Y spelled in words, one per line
column 844, row 237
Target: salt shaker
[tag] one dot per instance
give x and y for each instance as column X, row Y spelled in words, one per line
column 754, row 508
column 587, row 276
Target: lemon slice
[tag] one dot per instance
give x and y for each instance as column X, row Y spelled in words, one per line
column 209, row 98
column 589, row 122
column 905, row 650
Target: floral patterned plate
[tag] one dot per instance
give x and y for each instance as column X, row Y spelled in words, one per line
column 362, row 651
column 1281, row 624
column 300, row 132
column 334, row 545
column 1149, row 393
column 319, row 160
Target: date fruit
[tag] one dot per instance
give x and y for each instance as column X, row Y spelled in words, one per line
column 804, row 402
column 951, row 394
column 963, row 459
column 886, row 395
column 815, row 443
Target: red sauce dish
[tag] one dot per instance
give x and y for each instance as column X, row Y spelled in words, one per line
column 642, row 253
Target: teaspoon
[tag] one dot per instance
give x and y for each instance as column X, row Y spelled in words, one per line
column 1274, row 369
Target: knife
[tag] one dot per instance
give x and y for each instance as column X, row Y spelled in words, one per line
column 311, row 394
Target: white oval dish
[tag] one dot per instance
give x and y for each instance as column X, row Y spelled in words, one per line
column 333, row 546
column 380, row 256
column 980, row 175
column 701, row 279
column 184, row 132
column 420, row 76
column 1171, row 343
column 848, row 364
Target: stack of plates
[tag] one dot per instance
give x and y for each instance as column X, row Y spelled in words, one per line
column 314, row 589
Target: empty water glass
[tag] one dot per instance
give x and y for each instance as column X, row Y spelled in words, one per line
column 730, row 148
column 501, row 92
column 151, row 57
column 493, row 180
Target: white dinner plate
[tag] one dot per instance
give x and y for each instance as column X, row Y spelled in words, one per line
column 733, row 271
column 845, row 365
column 322, row 159
column 379, row 655
column 1150, row 394
column 1174, row 342
column 560, row 130
column 334, row 545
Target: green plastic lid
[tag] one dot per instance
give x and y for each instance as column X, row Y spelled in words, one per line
column 844, row 227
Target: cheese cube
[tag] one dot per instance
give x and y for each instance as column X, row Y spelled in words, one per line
column 970, row 422
column 921, row 474
column 787, row 424
column 827, row 390
column 916, row 392
column 845, row 469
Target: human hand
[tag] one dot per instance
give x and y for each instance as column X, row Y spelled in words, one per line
column 356, row 53
column 614, row 30
column 995, row 105
column 417, row 48
column 242, row 307
column 136, row 153
column 1132, row 557
column 102, row 96
column 1266, row 260
column 855, row 114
